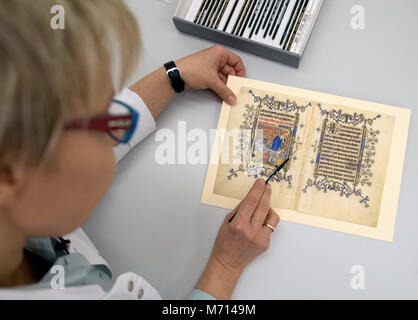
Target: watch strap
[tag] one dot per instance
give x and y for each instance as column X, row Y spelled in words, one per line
column 173, row 74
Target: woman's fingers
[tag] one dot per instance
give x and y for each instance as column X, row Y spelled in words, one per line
column 272, row 219
column 250, row 202
column 236, row 63
column 227, row 70
column 210, row 68
column 223, row 91
column 262, row 209
column 223, row 78
column 221, row 88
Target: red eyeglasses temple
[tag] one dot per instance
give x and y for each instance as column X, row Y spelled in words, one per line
column 103, row 123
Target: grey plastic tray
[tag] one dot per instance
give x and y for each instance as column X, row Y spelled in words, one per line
column 219, row 36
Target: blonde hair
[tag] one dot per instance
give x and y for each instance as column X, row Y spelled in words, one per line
column 45, row 72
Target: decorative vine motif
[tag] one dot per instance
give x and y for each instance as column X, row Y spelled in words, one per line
column 368, row 160
column 343, row 188
column 355, row 118
column 248, row 116
column 315, row 146
column 246, row 124
column 261, row 172
column 273, row 104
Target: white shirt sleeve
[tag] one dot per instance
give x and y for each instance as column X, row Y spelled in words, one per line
column 146, row 123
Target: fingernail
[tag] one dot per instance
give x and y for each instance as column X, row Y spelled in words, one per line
column 231, row 100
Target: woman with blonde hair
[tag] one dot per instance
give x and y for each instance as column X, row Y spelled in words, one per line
column 61, row 124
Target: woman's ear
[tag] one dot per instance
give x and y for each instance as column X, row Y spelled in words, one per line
column 11, row 182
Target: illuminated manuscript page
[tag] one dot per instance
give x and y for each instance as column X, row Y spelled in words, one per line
column 346, row 156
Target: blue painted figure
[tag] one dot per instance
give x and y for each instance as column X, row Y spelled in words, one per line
column 277, row 143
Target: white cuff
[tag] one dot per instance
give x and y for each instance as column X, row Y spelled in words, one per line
column 146, row 123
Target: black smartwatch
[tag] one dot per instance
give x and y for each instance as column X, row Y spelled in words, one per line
column 173, row 74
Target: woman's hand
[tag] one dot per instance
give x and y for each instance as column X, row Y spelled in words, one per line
column 207, row 69
column 246, row 237
column 240, row 241
column 210, row 68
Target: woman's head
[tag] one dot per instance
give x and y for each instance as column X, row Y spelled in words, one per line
column 51, row 179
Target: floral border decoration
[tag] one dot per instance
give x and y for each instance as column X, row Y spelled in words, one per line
column 273, row 104
column 343, row 188
column 261, row 172
column 368, row 160
column 355, row 118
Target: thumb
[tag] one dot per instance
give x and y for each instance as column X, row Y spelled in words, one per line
column 224, row 92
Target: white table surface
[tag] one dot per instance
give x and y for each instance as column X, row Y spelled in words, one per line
column 152, row 222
